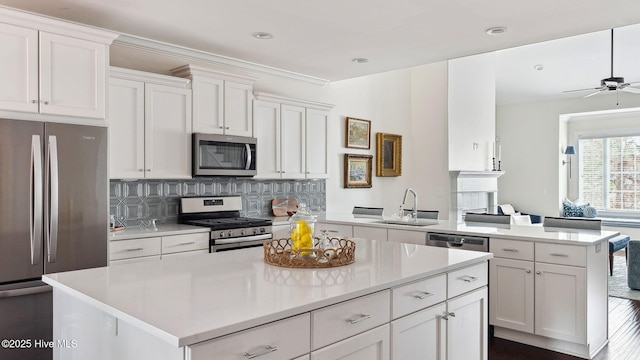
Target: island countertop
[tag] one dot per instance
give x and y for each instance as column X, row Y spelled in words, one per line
column 521, row 232
column 185, row 302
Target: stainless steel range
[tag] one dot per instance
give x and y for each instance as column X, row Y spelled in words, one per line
column 221, row 214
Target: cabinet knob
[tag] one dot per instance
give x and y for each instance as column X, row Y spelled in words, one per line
column 538, row 272
column 140, row 169
column 148, row 169
column 46, row 102
column 221, row 127
column 227, row 127
column 528, row 271
column 34, row 101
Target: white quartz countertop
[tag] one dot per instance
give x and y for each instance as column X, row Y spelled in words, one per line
column 520, row 232
column 136, row 232
column 185, row 302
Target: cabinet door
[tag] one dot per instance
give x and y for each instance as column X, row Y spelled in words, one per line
column 208, row 115
column 369, row 232
column 419, row 335
column 407, row 236
column 511, row 294
column 126, row 129
column 167, row 132
column 335, row 230
column 293, row 136
column 267, row 130
column 316, row 144
column 467, row 326
column 560, row 310
column 370, row 345
column 238, row 113
column 18, row 73
column 72, row 76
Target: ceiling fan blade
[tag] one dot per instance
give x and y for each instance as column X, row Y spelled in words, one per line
column 598, row 88
column 631, row 90
column 593, row 93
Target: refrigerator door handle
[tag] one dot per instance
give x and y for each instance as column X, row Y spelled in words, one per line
column 25, row 291
column 52, row 169
column 35, row 194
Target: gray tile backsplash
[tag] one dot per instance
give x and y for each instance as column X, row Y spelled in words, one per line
column 132, row 201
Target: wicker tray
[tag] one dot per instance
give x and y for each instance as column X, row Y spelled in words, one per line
column 279, row 252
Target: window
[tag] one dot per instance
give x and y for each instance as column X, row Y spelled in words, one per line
column 609, row 170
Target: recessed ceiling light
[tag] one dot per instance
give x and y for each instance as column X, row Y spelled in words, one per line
column 262, row 35
column 360, row 60
column 496, row 30
column 538, row 67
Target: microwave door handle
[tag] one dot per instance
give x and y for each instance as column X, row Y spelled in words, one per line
column 35, row 211
column 248, row 156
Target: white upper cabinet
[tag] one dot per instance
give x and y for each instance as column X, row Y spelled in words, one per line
column 149, row 126
column 292, row 137
column 52, row 67
column 222, row 103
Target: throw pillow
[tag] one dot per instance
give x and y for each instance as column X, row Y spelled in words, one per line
column 590, row 212
column 573, row 210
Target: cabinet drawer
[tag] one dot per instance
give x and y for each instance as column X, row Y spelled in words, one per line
column 467, row 279
column 284, row 339
column 512, row 249
column 418, row 295
column 127, row 249
column 351, row 317
column 187, row 242
column 335, row 230
column 561, row 254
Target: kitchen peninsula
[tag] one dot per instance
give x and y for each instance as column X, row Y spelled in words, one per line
column 396, row 301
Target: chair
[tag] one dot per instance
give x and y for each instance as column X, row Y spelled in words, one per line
column 572, row 223
column 424, row 214
column 487, row 218
column 367, row 211
column 507, row 209
column 618, row 243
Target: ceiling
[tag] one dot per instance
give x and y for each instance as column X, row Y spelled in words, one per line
column 319, row 38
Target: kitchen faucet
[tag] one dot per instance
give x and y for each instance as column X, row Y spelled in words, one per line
column 414, row 211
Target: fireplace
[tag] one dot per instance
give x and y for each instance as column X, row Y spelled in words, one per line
column 473, row 191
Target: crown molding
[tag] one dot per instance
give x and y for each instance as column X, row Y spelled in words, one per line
column 291, row 101
column 215, row 62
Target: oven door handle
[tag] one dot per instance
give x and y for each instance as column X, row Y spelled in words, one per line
column 242, row 239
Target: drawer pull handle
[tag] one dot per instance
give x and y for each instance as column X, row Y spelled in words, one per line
column 510, row 250
column 468, row 278
column 422, row 295
column 187, row 243
column 559, row 255
column 359, row 318
column 267, row 350
column 135, row 249
column 446, row 317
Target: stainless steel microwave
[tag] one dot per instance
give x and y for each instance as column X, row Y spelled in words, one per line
column 223, row 155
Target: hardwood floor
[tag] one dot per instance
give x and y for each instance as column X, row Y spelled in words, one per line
column 624, row 338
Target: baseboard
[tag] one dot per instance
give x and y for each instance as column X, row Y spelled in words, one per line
column 565, row 347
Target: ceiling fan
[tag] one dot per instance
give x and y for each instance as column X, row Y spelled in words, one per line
column 612, row 83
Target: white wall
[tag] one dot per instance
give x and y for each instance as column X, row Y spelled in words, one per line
column 472, row 95
column 533, row 139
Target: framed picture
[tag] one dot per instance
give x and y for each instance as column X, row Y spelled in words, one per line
column 357, row 170
column 389, row 155
column 358, row 133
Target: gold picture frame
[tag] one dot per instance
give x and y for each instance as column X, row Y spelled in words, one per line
column 389, row 155
column 358, row 133
column 357, row 171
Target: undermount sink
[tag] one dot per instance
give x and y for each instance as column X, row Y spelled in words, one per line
column 418, row 222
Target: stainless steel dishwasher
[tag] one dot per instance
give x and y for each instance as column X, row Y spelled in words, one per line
column 456, row 241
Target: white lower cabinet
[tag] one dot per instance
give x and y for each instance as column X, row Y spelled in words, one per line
column 407, row 236
column 335, row 230
column 420, row 335
column 539, row 295
column 467, row 326
column 370, row 345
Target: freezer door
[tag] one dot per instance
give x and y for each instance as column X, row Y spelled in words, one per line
column 27, row 316
column 21, row 160
column 76, row 195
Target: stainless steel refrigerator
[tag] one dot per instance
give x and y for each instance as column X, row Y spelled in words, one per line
column 53, row 218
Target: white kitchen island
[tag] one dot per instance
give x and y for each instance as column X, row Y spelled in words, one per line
column 396, row 301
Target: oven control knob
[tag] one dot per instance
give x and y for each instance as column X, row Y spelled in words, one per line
column 221, row 234
column 243, row 232
column 262, row 230
column 231, row 233
column 255, row 231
